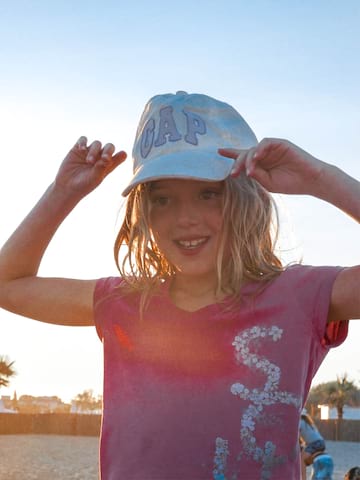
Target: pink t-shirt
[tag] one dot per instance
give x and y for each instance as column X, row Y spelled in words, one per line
column 216, row 393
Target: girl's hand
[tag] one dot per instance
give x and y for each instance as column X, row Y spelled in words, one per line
column 85, row 167
column 279, row 165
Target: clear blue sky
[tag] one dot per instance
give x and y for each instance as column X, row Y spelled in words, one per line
column 68, row 68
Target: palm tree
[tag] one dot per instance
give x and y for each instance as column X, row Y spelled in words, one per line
column 337, row 393
column 340, row 393
column 6, row 371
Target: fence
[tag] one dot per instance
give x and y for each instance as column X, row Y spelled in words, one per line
column 89, row 425
column 341, row 430
column 50, row 423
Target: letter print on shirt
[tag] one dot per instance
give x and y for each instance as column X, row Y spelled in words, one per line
column 259, row 399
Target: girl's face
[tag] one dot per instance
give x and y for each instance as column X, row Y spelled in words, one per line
column 186, row 222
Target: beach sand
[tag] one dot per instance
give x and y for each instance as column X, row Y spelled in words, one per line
column 55, row 457
column 48, row 457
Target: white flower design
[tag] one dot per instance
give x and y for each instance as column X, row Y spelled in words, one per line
column 221, row 453
column 258, row 398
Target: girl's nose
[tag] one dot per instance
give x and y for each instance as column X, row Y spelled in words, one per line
column 187, row 214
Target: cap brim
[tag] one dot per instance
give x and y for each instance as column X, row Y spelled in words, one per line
column 204, row 165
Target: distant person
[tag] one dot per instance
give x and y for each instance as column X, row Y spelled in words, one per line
column 353, row 474
column 210, row 342
column 314, row 450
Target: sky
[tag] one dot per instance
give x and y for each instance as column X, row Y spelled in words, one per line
column 72, row 68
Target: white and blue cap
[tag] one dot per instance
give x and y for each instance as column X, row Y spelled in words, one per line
column 179, row 136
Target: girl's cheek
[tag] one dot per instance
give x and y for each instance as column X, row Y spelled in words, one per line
column 214, row 209
column 155, row 213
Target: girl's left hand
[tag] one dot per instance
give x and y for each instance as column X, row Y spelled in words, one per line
column 279, row 165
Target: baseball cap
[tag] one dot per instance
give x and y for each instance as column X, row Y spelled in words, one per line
column 179, row 136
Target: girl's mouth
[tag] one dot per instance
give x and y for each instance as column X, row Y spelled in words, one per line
column 191, row 244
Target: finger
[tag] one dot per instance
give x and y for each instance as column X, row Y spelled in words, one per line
column 250, row 162
column 107, row 167
column 107, row 152
column 81, row 143
column 120, row 156
column 239, row 155
column 239, row 163
column 93, row 152
column 80, row 149
column 117, row 159
column 266, row 146
column 230, row 152
column 245, row 161
column 108, row 159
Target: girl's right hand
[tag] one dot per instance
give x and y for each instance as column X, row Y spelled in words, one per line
column 54, row 300
column 85, row 167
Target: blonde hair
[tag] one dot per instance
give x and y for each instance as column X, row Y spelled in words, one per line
column 246, row 250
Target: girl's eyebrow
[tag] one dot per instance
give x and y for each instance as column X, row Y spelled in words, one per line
column 153, row 188
column 157, row 186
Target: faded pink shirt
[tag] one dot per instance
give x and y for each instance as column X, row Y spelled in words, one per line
column 211, row 394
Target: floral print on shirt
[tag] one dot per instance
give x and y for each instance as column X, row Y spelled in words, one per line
column 259, row 399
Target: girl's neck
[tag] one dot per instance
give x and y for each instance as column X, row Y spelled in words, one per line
column 192, row 294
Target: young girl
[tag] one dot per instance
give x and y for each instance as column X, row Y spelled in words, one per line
column 210, row 344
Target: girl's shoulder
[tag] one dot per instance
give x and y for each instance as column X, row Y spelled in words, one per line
column 109, row 283
column 128, row 288
column 296, row 284
column 107, row 286
column 303, row 275
column 296, row 277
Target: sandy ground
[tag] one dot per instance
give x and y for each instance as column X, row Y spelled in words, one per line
column 55, row 457
column 48, row 457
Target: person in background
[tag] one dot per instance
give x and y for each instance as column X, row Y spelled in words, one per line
column 314, row 450
column 353, row 474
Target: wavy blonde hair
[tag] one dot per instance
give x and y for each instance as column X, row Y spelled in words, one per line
column 246, row 250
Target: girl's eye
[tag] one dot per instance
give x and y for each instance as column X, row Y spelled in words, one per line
column 160, row 201
column 210, row 194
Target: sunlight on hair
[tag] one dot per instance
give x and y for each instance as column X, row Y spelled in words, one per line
column 287, row 245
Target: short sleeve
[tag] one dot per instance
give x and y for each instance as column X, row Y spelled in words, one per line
column 335, row 333
column 314, row 286
column 330, row 334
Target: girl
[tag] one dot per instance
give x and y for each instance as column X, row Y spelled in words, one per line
column 210, row 344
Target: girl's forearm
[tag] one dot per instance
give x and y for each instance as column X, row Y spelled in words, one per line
column 340, row 189
column 22, row 253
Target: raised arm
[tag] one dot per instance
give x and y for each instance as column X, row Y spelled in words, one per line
column 53, row 300
column 282, row 167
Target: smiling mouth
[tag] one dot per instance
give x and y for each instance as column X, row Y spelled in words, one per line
column 191, row 244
